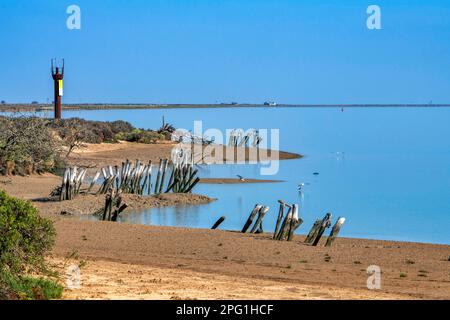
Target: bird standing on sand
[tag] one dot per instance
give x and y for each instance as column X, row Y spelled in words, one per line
column 241, row 178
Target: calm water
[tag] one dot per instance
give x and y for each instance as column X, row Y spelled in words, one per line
column 387, row 170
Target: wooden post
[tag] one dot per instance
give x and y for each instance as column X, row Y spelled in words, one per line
column 251, row 217
column 158, row 177
column 313, row 232
column 295, row 222
column 326, row 222
column 335, row 231
column 261, row 213
column 164, row 169
column 285, row 225
column 280, row 217
column 97, row 175
column 189, row 189
column 218, row 222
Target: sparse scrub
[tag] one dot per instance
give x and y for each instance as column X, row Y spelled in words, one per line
column 35, row 145
column 27, row 146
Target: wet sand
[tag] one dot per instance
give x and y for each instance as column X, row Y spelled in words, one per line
column 37, row 188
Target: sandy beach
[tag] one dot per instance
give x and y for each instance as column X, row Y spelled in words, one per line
column 130, row 261
column 95, row 156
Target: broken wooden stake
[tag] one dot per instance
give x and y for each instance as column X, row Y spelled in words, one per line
column 335, row 231
column 326, row 222
column 217, row 223
column 261, row 213
column 251, row 217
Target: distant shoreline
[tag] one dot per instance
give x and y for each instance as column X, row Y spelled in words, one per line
column 23, row 107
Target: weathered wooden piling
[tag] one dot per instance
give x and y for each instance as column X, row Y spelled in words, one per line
column 261, row 213
column 113, row 205
column 218, row 223
column 251, row 217
column 313, row 232
column 71, row 184
column 335, row 231
column 326, row 222
column 280, row 217
column 158, row 177
column 295, row 222
column 164, row 169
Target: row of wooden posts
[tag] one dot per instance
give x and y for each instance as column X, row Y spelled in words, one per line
column 137, row 178
column 132, row 178
column 71, row 183
column 238, row 139
column 288, row 223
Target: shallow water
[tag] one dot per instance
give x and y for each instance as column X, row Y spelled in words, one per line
column 387, row 170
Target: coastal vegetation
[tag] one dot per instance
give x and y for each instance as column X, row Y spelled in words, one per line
column 36, row 145
column 25, row 238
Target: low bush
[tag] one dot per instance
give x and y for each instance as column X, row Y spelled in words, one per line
column 28, row 288
column 35, row 145
column 25, row 238
column 27, row 145
column 141, row 136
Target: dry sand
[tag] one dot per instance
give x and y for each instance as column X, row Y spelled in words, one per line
column 114, row 280
column 229, row 260
column 101, row 155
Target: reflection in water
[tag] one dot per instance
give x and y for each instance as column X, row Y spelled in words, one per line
column 370, row 162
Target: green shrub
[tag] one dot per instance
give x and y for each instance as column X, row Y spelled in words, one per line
column 27, row 288
column 140, row 135
column 25, row 237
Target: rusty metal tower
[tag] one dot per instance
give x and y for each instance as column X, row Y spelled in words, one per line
column 58, row 75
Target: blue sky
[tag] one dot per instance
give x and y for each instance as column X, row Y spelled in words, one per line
column 307, row 52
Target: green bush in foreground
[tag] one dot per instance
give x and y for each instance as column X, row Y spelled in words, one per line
column 25, row 238
column 27, row 288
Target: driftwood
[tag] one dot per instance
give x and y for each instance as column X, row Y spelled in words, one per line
column 218, row 223
column 335, row 231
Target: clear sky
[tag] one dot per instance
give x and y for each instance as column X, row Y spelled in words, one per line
column 306, row 52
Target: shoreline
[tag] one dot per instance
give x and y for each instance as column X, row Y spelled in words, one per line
column 140, row 261
column 284, row 270
column 42, row 107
